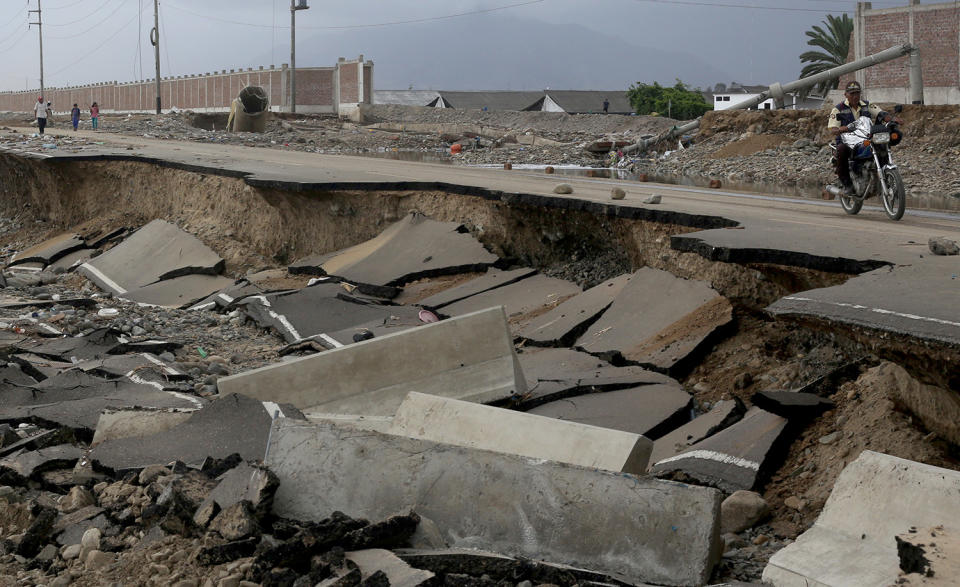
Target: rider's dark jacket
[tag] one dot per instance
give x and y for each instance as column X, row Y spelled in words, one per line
column 844, row 114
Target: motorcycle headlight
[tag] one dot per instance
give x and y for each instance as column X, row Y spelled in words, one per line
column 880, row 138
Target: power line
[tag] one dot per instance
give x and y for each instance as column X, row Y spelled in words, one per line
column 16, row 41
column 119, row 30
column 84, row 17
column 163, row 31
column 68, row 5
column 722, row 5
column 361, row 26
column 14, row 17
column 96, row 25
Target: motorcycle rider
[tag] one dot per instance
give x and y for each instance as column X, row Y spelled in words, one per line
column 841, row 120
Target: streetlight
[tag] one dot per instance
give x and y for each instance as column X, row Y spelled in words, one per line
column 295, row 5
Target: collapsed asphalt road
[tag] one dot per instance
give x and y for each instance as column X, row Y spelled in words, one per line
column 184, row 409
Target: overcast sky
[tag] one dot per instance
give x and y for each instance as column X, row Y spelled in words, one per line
column 748, row 41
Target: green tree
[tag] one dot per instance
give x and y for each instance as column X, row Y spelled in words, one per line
column 681, row 102
column 835, row 42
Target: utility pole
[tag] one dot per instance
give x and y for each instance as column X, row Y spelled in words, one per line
column 39, row 24
column 155, row 39
column 295, row 5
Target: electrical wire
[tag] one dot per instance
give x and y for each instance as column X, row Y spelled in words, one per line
column 163, row 31
column 67, row 6
column 15, row 41
column 723, row 5
column 96, row 25
column 14, row 17
column 138, row 55
column 82, row 18
column 361, row 26
column 23, row 22
column 119, row 30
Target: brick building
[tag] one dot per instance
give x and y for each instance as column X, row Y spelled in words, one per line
column 933, row 28
column 340, row 89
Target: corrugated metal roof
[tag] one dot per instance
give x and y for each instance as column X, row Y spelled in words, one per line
column 584, row 101
column 405, row 97
column 495, row 100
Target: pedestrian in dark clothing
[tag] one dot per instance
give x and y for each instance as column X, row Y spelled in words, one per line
column 75, row 117
column 606, row 105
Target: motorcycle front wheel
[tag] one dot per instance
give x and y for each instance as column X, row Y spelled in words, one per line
column 850, row 204
column 895, row 198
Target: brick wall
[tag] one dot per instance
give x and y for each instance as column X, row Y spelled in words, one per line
column 933, row 28
column 210, row 91
column 349, row 86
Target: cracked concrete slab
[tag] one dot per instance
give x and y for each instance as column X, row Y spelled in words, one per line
column 144, row 366
column 113, row 424
column 229, row 424
column 158, row 251
column 658, row 320
column 563, row 324
column 523, row 300
column 228, row 295
column 320, row 309
column 178, row 292
column 492, row 279
column 412, row 248
column 38, row 367
column 650, row 410
column 49, row 250
column 558, row 517
column 738, row 457
column 71, row 260
column 449, row 421
column 554, row 374
column 399, row 573
column 853, row 541
column 470, row 358
column 723, row 414
column 95, row 345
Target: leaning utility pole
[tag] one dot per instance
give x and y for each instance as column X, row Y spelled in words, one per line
column 777, row 91
column 39, row 24
column 155, row 39
column 295, row 5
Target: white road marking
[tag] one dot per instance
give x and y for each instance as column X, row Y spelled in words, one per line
column 876, row 310
column 106, row 280
column 709, row 455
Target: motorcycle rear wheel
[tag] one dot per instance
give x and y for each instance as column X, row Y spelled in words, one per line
column 895, row 198
column 850, row 204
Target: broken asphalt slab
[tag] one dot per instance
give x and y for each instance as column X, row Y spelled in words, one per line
column 410, row 249
column 74, row 399
column 738, row 457
column 321, row 309
column 853, row 542
column 469, row 358
column 658, row 320
column 724, row 414
column 888, row 302
column 554, row 374
column 563, row 324
column 49, row 250
column 649, row 410
column 323, row 468
column 178, row 292
column 229, row 424
column 158, row 251
column 490, row 280
column 449, row 421
column 28, row 465
column 792, row 405
column 531, row 295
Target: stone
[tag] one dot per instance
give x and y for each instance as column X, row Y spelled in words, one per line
column 617, row 194
column 97, row 560
column 70, row 552
column 943, row 246
column 741, row 511
column 652, row 199
column 715, row 184
column 78, row 498
column 830, row 438
column 90, row 541
column 795, row 503
column 563, row 188
column 236, row 522
column 150, row 473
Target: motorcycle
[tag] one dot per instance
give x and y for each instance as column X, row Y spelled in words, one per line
column 872, row 169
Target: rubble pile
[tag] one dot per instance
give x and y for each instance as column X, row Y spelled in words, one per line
column 416, row 410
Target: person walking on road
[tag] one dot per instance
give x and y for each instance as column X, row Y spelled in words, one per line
column 49, row 114
column 94, row 115
column 41, row 110
column 75, row 117
column 606, row 105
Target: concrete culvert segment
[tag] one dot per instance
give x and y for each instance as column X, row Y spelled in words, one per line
column 666, row 319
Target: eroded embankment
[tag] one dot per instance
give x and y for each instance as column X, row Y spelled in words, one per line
column 253, row 227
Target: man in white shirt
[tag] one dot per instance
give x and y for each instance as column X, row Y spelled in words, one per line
column 41, row 109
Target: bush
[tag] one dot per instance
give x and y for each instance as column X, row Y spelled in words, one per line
column 682, row 103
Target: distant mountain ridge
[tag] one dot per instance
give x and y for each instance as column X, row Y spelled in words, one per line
column 496, row 52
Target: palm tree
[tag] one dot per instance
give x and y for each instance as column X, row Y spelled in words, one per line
column 835, row 42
